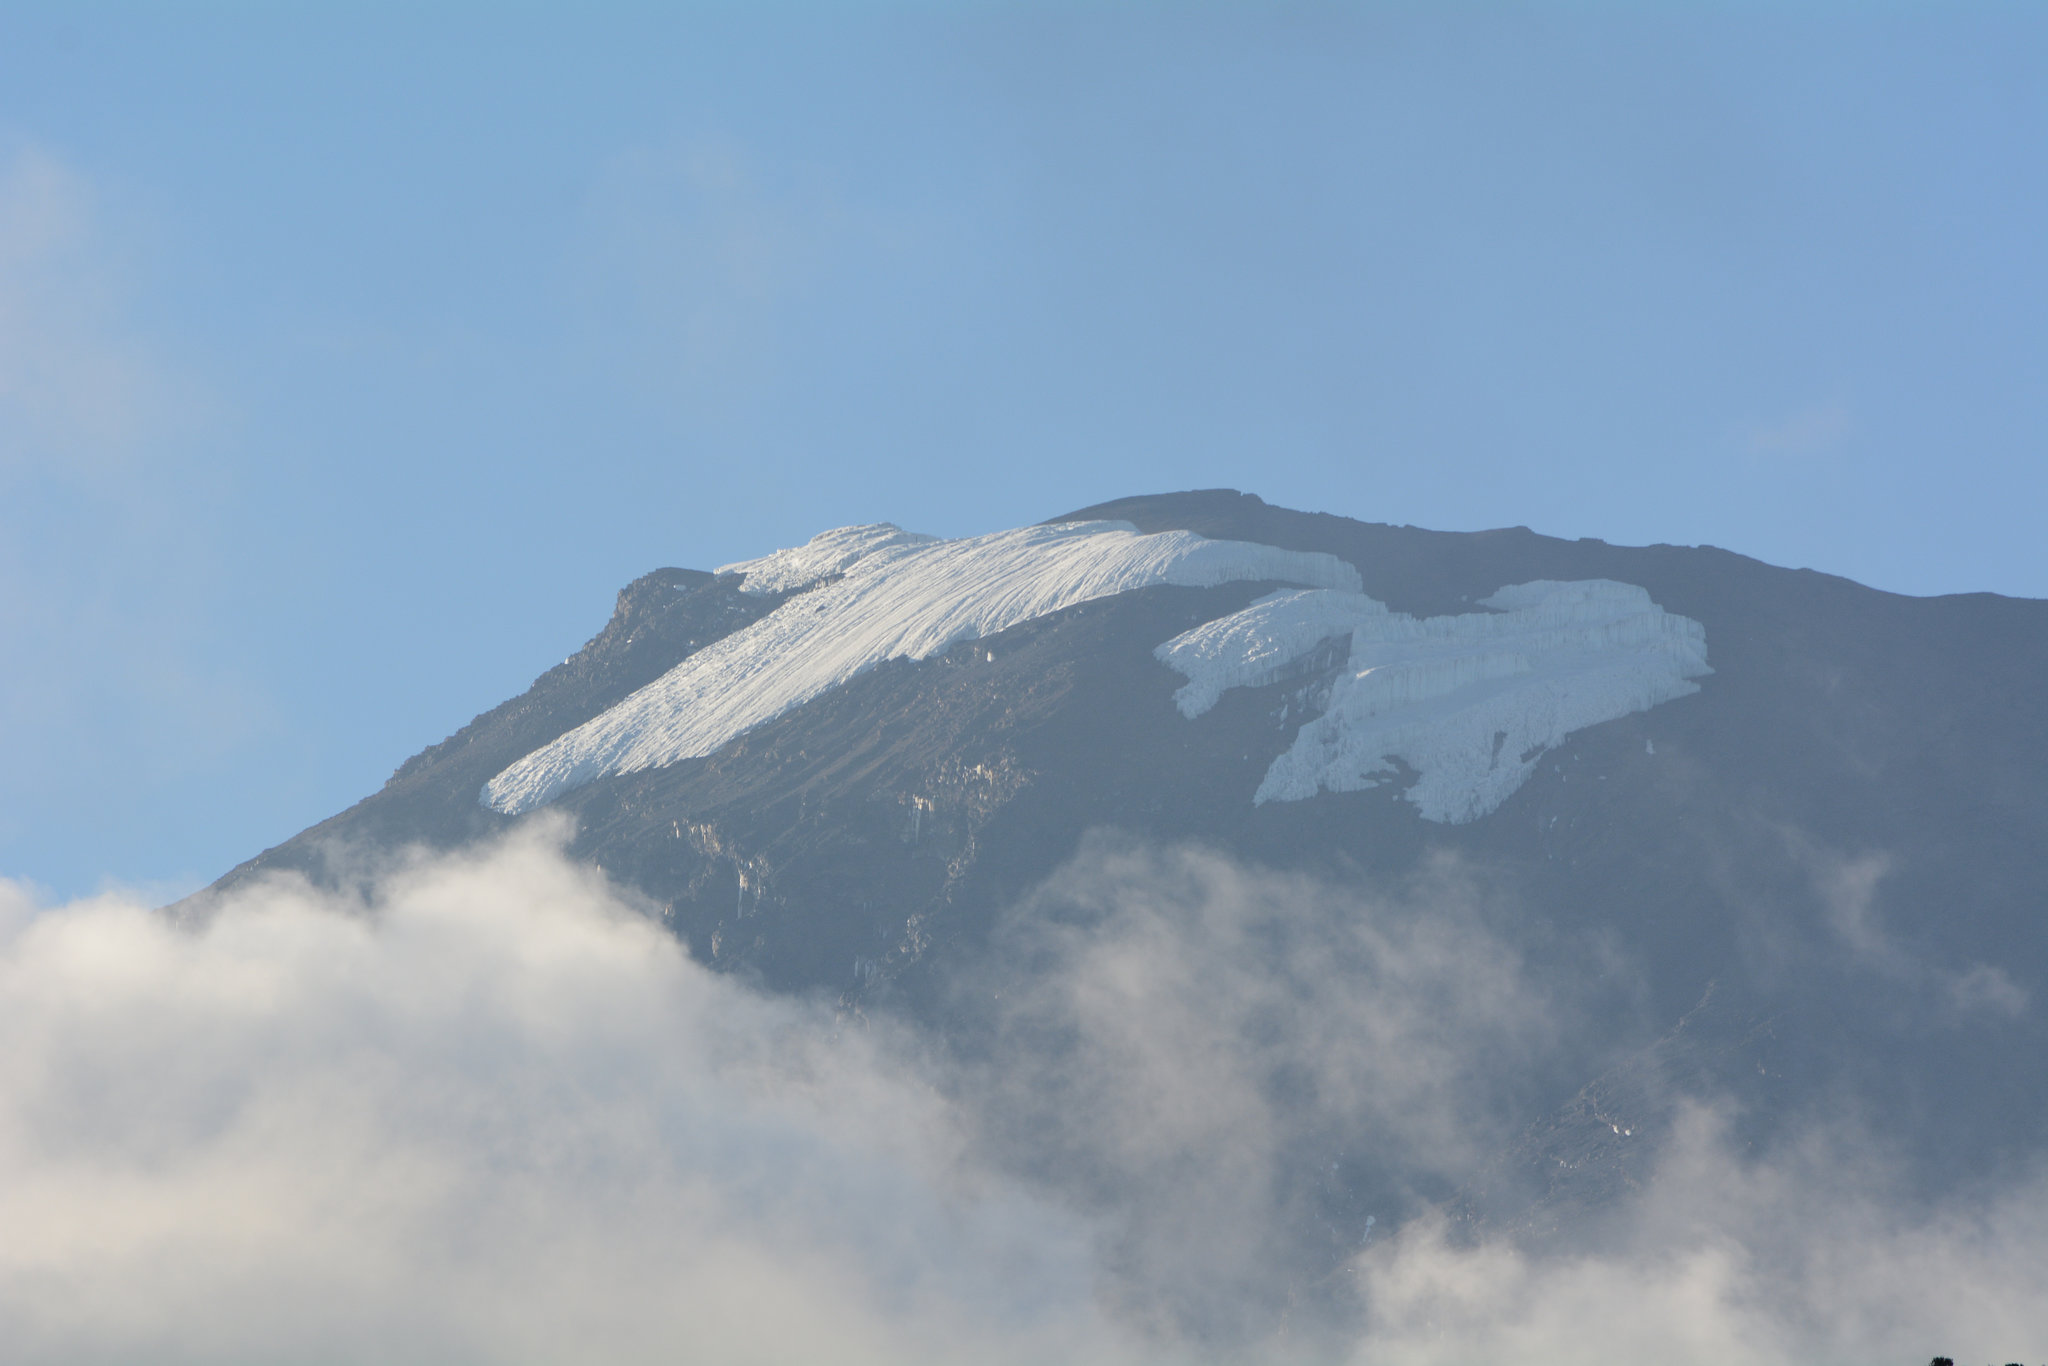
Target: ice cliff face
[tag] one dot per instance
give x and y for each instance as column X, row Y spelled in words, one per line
column 1468, row 702
column 865, row 595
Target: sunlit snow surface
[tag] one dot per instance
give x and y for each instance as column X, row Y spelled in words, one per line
column 877, row 593
column 1468, row 702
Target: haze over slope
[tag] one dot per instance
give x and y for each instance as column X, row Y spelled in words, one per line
column 482, row 1109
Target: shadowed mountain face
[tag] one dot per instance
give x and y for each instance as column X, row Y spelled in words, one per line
column 1818, row 881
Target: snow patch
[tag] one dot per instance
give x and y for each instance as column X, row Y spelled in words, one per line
column 877, row 593
column 1256, row 646
column 1468, row 702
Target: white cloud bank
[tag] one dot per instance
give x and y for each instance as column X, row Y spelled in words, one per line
column 488, row 1113
column 1804, row 1260
column 491, row 1116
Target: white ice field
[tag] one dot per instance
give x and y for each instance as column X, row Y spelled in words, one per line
column 1466, row 701
column 1469, row 702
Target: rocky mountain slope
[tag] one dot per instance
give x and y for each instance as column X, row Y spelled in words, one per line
column 1779, row 838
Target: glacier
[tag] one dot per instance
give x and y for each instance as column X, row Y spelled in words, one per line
column 865, row 595
column 1468, row 702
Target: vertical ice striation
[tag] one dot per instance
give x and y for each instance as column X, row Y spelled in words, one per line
column 1466, row 701
column 877, row 593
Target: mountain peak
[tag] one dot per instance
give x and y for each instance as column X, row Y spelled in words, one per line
column 842, row 768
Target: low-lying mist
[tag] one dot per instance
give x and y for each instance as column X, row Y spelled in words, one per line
column 486, row 1110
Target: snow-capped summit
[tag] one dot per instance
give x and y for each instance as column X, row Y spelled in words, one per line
column 1443, row 694
column 848, row 767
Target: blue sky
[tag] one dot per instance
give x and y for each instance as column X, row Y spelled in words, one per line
column 351, row 358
